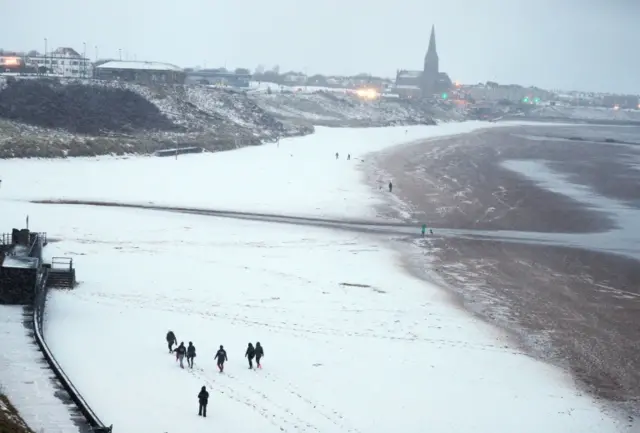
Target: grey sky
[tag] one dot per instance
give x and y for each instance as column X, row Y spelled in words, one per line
column 569, row 44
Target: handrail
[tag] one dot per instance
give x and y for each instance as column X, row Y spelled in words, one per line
column 38, row 311
column 60, row 262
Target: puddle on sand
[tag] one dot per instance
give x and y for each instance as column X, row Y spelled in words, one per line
column 625, row 239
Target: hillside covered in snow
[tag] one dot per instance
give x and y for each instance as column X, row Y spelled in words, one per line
column 337, row 107
column 55, row 118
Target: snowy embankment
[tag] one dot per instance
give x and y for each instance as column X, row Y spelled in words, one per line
column 80, row 118
column 329, row 106
column 352, row 343
column 587, row 113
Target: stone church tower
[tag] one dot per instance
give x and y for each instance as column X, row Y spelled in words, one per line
column 431, row 71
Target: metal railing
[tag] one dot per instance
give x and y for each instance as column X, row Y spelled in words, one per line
column 38, row 313
column 61, row 263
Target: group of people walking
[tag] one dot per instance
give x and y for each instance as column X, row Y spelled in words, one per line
column 189, row 352
column 181, row 352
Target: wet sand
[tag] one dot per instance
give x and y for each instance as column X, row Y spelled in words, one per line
column 575, row 307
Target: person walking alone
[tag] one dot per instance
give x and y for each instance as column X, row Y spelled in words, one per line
column 259, row 354
column 250, row 354
column 191, row 353
column 221, row 356
column 180, row 352
column 203, row 400
column 171, row 340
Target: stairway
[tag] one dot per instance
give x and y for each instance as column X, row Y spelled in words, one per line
column 62, row 278
column 61, row 273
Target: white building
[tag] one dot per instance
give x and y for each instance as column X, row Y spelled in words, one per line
column 65, row 62
column 295, row 78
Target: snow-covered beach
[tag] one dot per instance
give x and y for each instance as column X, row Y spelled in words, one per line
column 352, row 342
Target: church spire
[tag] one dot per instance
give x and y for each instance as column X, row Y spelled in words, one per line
column 432, row 41
column 431, row 71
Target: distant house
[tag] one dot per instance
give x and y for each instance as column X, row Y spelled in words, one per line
column 63, row 61
column 141, row 72
column 294, row 78
column 220, row 77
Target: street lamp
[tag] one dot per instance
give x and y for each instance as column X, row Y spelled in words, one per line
column 45, row 55
column 84, row 60
column 120, row 53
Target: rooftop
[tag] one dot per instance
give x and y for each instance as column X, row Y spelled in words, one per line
column 149, row 66
column 18, row 257
column 65, row 51
column 407, row 86
column 409, row 74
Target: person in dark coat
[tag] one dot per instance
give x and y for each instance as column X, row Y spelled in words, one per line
column 171, row 340
column 180, row 352
column 221, row 356
column 203, row 399
column 191, row 353
column 250, row 354
column 259, row 354
column 390, row 187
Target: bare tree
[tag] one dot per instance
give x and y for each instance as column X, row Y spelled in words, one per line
column 260, row 69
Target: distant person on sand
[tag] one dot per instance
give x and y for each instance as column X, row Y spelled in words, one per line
column 180, row 352
column 203, row 399
column 191, row 353
column 390, row 186
column 171, row 340
column 221, row 356
column 424, row 229
column 349, row 157
column 250, row 354
column 259, row 354
column 337, row 155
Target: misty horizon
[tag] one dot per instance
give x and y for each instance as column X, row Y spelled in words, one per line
column 569, row 46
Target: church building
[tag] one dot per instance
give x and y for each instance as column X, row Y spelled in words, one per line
column 429, row 81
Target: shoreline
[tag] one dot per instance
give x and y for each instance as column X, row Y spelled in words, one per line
column 485, row 277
